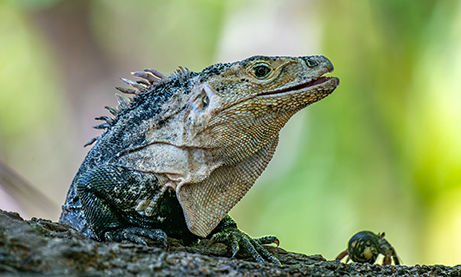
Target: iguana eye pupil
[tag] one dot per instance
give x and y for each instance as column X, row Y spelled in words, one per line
column 261, row 71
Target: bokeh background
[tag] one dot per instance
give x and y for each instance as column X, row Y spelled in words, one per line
column 382, row 153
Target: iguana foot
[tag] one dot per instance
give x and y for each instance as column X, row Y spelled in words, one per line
column 138, row 235
column 228, row 233
column 239, row 241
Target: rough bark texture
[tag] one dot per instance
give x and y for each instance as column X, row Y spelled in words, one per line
column 42, row 247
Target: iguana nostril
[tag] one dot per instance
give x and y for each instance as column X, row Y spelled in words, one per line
column 313, row 61
column 310, row 61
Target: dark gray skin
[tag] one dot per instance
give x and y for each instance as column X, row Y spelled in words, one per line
column 114, row 142
column 113, row 197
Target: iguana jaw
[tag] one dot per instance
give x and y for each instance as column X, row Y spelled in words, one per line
column 323, row 81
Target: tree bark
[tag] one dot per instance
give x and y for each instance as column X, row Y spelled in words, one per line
column 42, row 247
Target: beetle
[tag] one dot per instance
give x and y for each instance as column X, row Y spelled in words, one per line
column 365, row 246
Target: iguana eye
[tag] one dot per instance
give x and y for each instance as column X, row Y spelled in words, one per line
column 261, row 70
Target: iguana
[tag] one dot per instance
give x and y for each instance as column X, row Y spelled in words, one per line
column 179, row 154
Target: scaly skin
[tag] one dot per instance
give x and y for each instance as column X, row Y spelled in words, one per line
column 187, row 147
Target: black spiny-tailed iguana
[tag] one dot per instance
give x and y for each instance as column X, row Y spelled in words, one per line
column 187, row 147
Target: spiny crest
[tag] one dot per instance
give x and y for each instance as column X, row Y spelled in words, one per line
column 148, row 78
column 181, row 74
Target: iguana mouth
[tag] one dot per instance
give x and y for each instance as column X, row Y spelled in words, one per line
column 318, row 81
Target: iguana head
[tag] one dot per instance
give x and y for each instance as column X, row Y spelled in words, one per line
column 217, row 130
column 237, row 108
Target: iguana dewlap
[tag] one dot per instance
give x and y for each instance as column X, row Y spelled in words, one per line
column 187, row 147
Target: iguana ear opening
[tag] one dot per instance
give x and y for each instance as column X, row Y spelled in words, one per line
column 206, row 203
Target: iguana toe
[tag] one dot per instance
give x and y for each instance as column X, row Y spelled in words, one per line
column 268, row 240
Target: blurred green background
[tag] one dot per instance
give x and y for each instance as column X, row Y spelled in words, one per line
column 383, row 153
